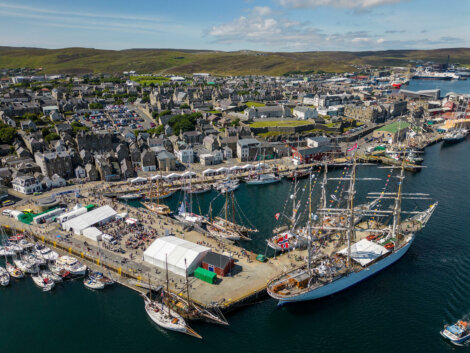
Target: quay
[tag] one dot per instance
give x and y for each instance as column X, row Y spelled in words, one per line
column 246, row 284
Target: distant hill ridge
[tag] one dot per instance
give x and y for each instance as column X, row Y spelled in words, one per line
column 186, row 61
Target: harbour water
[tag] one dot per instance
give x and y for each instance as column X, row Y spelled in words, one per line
column 401, row 309
column 457, row 86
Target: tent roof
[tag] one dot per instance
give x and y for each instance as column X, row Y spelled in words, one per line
column 365, row 251
column 175, row 251
column 89, row 219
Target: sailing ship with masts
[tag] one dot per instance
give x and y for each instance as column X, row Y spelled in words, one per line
column 156, row 193
column 225, row 225
column 162, row 314
column 341, row 256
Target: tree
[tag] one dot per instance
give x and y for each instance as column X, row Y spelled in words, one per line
column 235, row 122
column 52, row 137
column 7, row 134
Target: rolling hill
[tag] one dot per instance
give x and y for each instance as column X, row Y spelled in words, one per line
column 176, row 61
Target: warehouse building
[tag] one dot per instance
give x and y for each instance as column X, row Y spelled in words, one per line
column 218, row 263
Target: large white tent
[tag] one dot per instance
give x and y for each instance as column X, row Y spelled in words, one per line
column 175, row 251
column 98, row 216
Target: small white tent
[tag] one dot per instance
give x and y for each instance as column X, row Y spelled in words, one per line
column 175, row 251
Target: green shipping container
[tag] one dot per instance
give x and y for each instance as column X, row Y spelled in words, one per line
column 204, row 275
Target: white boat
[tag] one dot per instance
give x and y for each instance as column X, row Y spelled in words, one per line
column 26, row 266
column 455, row 136
column 14, row 271
column 25, row 245
column 72, row 265
column 262, row 179
column 43, row 282
column 34, row 260
column 7, row 251
column 55, row 277
column 457, row 333
column 227, row 186
column 160, row 314
column 45, row 253
column 93, row 284
column 4, row 277
column 197, row 189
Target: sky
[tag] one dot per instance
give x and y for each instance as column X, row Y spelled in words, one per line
column 230, row 25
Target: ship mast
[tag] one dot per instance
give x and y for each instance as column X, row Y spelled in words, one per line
column 397, row 206
column 350, row 223
column 167, row 282
column 309, row 231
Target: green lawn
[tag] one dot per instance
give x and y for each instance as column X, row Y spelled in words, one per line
column 147, row 80
column 280, row 123
column 270, row 133
column 249, row 104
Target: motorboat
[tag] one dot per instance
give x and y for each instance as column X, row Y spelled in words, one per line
column 457, row 333
column 262, row 179
column 45, row 253
column 72, row 265
column 43, row 282
column 93, row 284
column 25, row 245
column 26, row 266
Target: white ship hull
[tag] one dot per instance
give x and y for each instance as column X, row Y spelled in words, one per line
column 348, row 281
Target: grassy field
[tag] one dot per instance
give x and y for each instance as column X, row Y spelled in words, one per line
column 147, row 80
column 164, row 61
column 250, row 104
column 280, row 123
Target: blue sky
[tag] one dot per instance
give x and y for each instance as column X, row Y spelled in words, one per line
column 268, row 25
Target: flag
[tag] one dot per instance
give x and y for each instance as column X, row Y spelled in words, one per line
column 334, row 197
column 353, row 147
column 283, row 242
column 277, row 215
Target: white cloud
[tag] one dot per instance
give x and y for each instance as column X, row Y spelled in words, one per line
column 262, row 10
column 363, row 4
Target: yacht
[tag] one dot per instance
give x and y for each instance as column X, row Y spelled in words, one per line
column 14, row 271
column 45, row 253
column 43, row 282
column 261, row 179
column 72, row 265
column 457, row 333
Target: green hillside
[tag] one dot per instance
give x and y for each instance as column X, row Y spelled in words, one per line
column 163, row 61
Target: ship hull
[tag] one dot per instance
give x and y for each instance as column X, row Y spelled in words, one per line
column 350, row 280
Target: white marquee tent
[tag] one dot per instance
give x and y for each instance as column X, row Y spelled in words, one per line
column 175, row 251
column 365, row 251
column 98, row 216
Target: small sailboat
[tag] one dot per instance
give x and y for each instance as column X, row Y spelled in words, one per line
column 457, row 333
column 4, row 277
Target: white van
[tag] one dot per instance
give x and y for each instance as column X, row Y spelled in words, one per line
column 6, row 212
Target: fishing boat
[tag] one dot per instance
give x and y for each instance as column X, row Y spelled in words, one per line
column 14, row 271
column 457, row 333
column 368, row 250
column 43, row 282
column 4, row 277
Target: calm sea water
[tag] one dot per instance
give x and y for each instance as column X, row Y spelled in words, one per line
column 457, row 86
column 401, row 309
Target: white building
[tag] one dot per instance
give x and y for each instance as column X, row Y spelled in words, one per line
column 185, row 156
column 181, row 255
column 305, row 113
column 26, row 184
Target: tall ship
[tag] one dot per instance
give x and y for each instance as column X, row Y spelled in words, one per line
column 225, row 225
column 340, row 256
column 157, row 193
